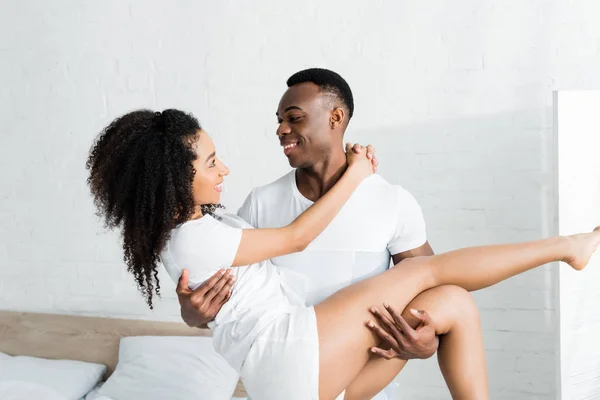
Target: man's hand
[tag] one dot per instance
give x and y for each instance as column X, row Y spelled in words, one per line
column 400, row 339
column 200, row 306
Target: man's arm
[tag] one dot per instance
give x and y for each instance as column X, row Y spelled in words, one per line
column 200, row 306
column 416, row 341
column 407, row 343
column 424, row 250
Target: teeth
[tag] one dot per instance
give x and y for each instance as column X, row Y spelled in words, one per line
column 219, row 186
column 289, row 146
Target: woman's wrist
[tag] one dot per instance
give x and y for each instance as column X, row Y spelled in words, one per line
column 356, row 172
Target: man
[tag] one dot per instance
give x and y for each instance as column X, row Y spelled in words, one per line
column 378, row 222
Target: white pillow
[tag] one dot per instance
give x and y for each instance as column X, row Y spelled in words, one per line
column 71, row 379
column 170, row 367
column 18, row 390
column 91, row 395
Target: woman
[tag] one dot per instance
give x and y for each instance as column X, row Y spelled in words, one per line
column 158, row 178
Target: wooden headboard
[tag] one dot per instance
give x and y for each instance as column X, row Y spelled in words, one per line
column 90, row 339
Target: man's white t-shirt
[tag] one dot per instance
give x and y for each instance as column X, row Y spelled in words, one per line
column 379, row 220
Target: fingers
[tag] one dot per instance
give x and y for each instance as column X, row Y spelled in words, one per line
column 220, row 288
column 358, row 149
column 387, row 354
column 375, row 163
column 370, row 152
column 223, row 295
column 389, row 324
column 406, row 328
column 182, row 284
column 422, row 316
column 228, row 294
column 218, row 279
column 383, row 334
column 211, row 282
column 371, row 156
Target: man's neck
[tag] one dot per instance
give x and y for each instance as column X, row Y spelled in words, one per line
column 315, row 181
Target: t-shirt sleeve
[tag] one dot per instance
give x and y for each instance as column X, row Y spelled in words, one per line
column 248, row 212
column 221, row 245
column 205, row 247
column 410, row 225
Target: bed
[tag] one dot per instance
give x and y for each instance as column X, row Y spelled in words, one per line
column 88, row 339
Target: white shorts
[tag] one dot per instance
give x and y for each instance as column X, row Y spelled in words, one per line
column 283, row 362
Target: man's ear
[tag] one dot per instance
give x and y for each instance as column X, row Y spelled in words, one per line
column 338, row 115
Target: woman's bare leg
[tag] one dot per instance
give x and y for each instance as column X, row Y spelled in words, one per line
column 461, row 354
column 340, row 342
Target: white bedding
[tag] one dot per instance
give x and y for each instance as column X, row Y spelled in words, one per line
column 169, row 367
column 19, row 390
column 68, row 378
column 108, row 398
column 93, row 394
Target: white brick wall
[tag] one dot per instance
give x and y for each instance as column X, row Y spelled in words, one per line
column 577, row 129
column 456, row 95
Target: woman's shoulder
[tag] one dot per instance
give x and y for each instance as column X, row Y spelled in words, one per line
column 203, row 239
column 208, row 230
column 195, row 232
column 194, row 226
column 235, row 221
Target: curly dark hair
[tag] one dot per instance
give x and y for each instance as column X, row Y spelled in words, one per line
column 141, row 177
column 327, row 81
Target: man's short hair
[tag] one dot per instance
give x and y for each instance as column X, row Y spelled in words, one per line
column 327, row 81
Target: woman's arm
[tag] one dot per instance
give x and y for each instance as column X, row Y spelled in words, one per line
column 261, row 244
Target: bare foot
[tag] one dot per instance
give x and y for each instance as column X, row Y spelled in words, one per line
column 583, row 245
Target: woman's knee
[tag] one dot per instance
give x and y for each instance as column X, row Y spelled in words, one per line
column 460, row 304
column 449, row 306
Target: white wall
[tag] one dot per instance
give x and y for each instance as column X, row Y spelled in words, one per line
column 577, row 132
column 456, row 96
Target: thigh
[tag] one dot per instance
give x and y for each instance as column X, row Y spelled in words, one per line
column 374, row 377
column 443, row 304
column 344, row 339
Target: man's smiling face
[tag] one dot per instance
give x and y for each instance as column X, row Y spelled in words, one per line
column 303, row 116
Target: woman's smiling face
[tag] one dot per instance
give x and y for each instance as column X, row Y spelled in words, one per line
column 209, row 172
